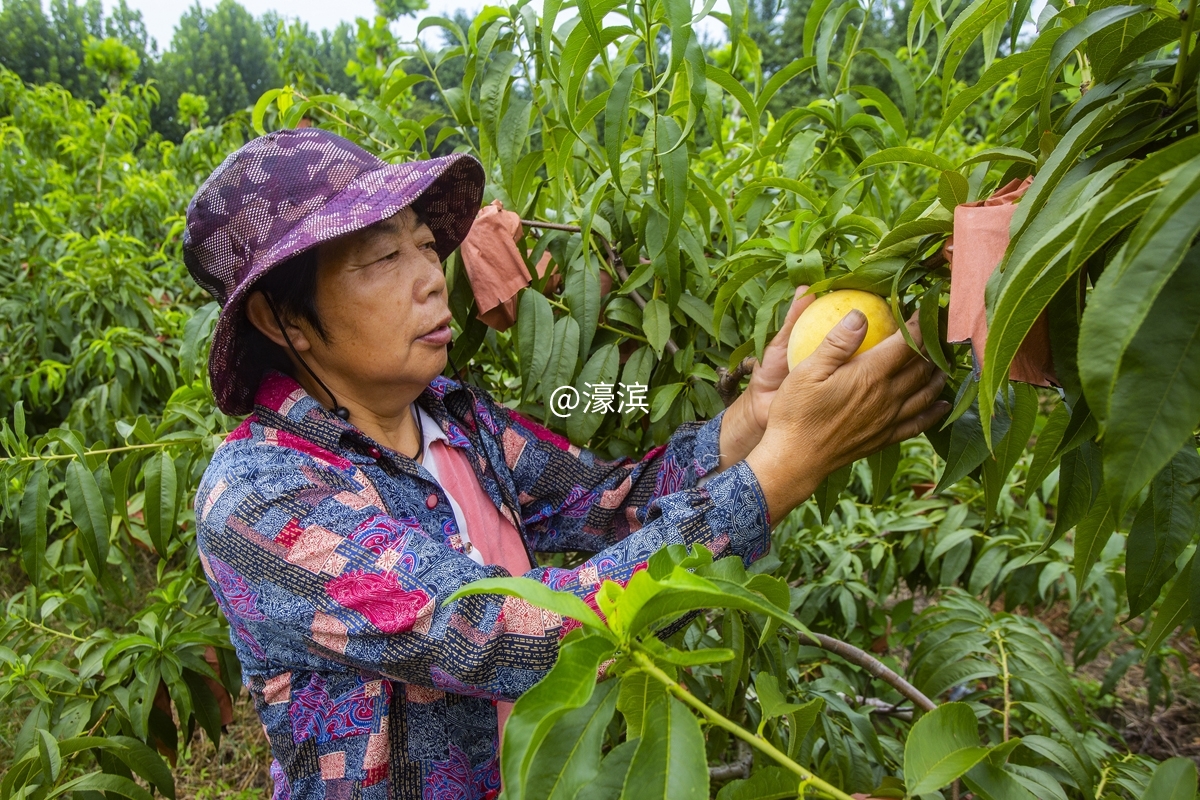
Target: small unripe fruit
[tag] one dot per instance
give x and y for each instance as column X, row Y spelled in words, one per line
column 828, row 310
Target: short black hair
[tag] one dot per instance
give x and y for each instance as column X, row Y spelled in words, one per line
column 292, row 288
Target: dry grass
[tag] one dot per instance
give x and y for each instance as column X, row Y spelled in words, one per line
column 238, row 769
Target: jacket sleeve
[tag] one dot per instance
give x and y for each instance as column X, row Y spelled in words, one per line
column 573, row 500
column 310, row 570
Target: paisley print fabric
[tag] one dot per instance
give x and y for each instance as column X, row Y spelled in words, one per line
column 333, row 571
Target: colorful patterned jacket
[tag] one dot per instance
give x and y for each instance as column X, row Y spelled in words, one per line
column 332, row 557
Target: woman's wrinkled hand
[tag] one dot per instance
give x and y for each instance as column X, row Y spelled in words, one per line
column 834, row 408
column 768, row 375
column 746, row 419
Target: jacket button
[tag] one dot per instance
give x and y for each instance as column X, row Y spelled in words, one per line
column 375, row 452
column 431, row 501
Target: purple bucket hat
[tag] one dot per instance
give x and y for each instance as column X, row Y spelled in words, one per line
column 286, row 192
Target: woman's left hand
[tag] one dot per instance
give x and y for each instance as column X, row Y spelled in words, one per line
column 746, row 419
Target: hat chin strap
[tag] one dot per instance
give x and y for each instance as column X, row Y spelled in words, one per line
column 339, row 411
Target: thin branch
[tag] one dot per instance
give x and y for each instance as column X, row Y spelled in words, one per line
column 739, row 768
column 728, row 380
column 109, row 450
column 873, row 665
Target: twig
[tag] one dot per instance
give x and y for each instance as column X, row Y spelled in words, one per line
column 1188, row 18
column 883, row 707
column 613, row 258
column 728, row 380
column 99, row 722
column 110, row 450
column 877, row 668
column 740, row 768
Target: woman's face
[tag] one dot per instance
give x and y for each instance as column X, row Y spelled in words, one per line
column 381, row 298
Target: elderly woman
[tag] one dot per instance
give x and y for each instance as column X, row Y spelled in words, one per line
column 364, row 487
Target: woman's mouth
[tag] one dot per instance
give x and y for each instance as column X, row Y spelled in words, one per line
column 439, row 336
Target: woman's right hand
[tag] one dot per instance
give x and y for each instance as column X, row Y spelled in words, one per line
column 834, row 408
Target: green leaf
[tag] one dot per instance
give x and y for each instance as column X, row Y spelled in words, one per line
column 195, row 335
column 914, row 229
column 771, row 700
column 883, row 466
column 1131, row 284
column 616, row 119
column 900, row 74
column 1166, row 522
column 513, row 133
column 968, row 25
column 569, row 756
column 907, row 155
column 535, row 338
column 769, row 783
column 161, row 506
column 968, row 448
column 567, row 686
column 88, row 514
column 1175, row 609
column 1104, row 47
column 940, row 748
column 260, row 109
column 49, row 756
column 953, row 189
column 1009, row 449
column 564, row 355
column 204, row 704
column 496, row 78
column 35, row 504
column 1030, row 281
column 781, row 77
column 693, row 658
column 1075, row 36
column 990, row 782
column 991, row 77
column 1156, row 396
column 638, row 692
column 1044, row 450
column 1091, row 535
column 600, row 370
column 613, row 769
column 1079, row 482
column 801, row 722
column 111, row 785
column 656, row 322
column 723, row 79
column 831, row 488
column 930, row 319
column 1173, row 779
column 684, row 591
column 1062, row 159
column 148, row 764
column 670, row 762
column 539, row 594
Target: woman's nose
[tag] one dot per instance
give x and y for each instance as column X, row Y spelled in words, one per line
column 432, row 281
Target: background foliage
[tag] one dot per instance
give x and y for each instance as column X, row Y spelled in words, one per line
column 823, row 143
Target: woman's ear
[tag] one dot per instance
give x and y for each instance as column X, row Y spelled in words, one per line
column 258, row 311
